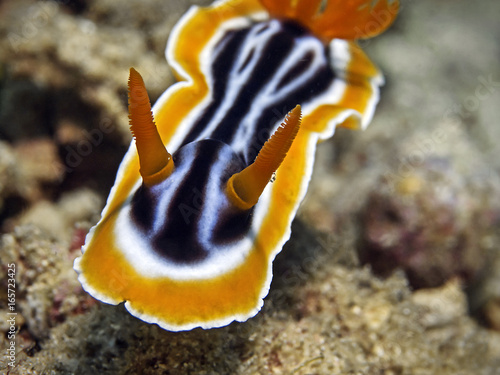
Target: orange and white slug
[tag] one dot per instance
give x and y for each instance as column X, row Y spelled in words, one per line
column 187, row 238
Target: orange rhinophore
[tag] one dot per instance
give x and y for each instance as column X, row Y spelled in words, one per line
column 156, row 163
column 244, row 188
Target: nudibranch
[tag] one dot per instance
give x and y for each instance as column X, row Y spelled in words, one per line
column 193, row 223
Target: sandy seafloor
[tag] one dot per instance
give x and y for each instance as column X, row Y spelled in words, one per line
column 393, row 266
